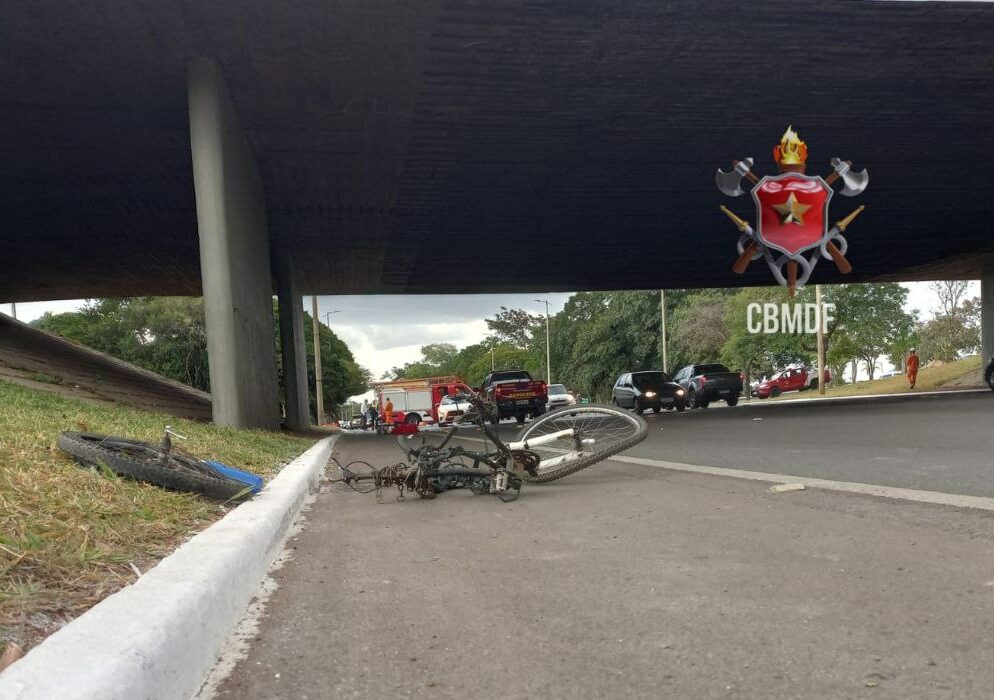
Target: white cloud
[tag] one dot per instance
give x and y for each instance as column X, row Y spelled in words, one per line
column 29, row 311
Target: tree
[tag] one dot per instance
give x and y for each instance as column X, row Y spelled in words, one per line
column 843, row 352
column 341, row 376
column 515, row 327
column 440, row 355
column 945, row 337
column 700, row 326
column 950, row 293
column 168, row 336
column 758, row 354
column 872, row 318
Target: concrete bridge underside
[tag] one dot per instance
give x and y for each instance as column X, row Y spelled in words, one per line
column 452, row 146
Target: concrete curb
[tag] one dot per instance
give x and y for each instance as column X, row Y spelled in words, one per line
column 160, row 637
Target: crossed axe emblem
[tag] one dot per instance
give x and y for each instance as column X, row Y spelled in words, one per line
column 833, row 244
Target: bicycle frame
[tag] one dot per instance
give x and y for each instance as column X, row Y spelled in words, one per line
column 435, row 462
column 543, row 440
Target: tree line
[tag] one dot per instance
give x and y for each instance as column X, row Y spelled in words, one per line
column 600, row 335
column 168, row 336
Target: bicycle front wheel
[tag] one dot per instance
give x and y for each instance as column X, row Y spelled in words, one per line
column 145, row 462
column 597, row 432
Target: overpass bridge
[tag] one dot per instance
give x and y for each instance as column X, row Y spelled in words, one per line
column 234, row 149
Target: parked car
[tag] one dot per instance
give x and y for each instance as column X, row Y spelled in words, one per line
column 449, row 408
column 989, row 374
column 790, row 379
column 650, row 389
column 707, row 383
column 559, row 397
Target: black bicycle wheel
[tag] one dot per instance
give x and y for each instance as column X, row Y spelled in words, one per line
column 144, row 462
column 598, row 433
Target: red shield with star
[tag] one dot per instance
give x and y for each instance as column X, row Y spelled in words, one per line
column 792, row 212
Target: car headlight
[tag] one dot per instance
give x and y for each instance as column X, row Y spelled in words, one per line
column 650, row 394
column 679, row 392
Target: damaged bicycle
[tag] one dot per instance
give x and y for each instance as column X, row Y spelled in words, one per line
column 559, row 443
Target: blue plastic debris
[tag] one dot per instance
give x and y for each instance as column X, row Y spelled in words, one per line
column 252, row 480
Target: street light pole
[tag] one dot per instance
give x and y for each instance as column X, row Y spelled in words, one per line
column 13, row 310
column 821, row 340
column 662, row 317
column 548, row 352
column 327, row 316
column 318, row 383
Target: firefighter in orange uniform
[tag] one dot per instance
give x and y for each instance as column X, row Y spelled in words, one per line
column 388, row 415
column 911, row 367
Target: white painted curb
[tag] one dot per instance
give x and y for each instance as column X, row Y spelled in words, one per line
column 160, row 637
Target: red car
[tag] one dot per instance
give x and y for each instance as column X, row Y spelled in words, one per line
column 792, row 379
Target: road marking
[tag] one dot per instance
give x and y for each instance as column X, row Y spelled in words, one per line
column 894, row 492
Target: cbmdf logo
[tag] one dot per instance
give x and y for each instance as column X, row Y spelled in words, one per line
column 792, row 224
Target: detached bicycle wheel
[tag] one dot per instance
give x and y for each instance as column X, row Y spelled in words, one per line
column 598, row 433
column 144, row 462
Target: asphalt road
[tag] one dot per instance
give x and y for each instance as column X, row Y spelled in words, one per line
column 629, row 581
column 933, row 442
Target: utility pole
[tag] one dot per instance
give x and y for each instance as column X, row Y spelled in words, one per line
column 548, row 352
column 493, row 364
column 662, row 317
column 318, row 383
column 13, row 310
column 821, row 341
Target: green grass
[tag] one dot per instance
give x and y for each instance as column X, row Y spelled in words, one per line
column 45, row 378
column 68, row 536
column 929, row 379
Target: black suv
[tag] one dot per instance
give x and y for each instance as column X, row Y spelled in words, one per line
column 650, row 389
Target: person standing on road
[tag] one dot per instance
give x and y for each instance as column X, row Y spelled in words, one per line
column 372, row 417
column 911, row 367
column 364, row 413
column 388, row 414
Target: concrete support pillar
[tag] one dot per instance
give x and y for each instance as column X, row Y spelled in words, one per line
column 987, row 316
column 234, row 257
column 292, row 339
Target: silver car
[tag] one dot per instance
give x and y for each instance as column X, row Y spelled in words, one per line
column 450, row 408
column 559, row 397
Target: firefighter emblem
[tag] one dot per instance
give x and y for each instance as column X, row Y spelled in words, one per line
column 792, row 226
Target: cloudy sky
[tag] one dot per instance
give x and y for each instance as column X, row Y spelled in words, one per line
column 387, row 331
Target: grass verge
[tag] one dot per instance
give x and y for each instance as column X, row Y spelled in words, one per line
column 69, row 536
column 929, row 379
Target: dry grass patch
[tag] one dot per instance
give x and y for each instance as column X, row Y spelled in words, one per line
column 70, row 536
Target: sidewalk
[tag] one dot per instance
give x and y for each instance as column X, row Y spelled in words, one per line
column 626, row 581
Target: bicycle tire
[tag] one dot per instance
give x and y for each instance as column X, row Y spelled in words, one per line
column 142, row 461
column 611, row 430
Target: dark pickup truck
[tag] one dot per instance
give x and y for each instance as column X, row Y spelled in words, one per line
column 707, row 383
column 515, row 393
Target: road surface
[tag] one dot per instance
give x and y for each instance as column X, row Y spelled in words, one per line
column 629, row 581
column 933, row 442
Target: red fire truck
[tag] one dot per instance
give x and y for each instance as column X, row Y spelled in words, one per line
column 416, row 400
